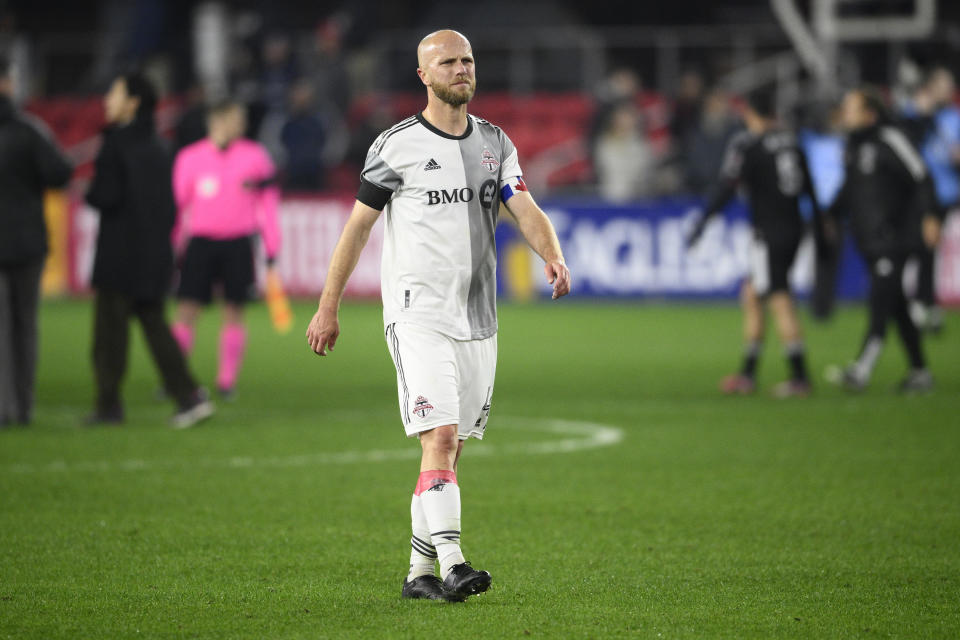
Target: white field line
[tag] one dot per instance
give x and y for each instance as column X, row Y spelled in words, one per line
column 571, row 436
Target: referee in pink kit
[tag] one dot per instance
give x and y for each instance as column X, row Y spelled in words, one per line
column 225, row 192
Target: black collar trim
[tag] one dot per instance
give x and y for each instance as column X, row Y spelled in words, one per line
column 444, row 134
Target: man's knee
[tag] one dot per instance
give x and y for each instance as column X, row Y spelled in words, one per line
column 442, row 440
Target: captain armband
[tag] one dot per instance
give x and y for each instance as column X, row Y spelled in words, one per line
column 511, row 187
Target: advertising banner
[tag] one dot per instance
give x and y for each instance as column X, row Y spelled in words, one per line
column 631, row 251
column 639, row 251
column 309, row 227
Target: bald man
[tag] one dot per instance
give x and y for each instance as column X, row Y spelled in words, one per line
column 439, row 178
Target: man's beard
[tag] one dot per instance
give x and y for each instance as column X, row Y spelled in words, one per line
column 451, row 97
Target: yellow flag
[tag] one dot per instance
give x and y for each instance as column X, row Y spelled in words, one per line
column 280, row 314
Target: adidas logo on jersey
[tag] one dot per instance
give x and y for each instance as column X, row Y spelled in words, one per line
column 431, row 165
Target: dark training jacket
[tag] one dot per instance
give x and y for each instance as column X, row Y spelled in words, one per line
column 29, row 164
column 885, row 193
column 132, row 190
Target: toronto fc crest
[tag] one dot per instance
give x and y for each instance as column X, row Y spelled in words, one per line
column 488, row 160
column 422, row 407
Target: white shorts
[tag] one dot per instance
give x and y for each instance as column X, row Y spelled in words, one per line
column 442, row 381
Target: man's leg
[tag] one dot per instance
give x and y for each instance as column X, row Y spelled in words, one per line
column 168, row 357
column 194, row 291
column 918, row 379
column 423, row 553
column 233, row 342
column 235, row 269
column 753, row 330
column 26, row 301
column 110, row 335
column 439, row 494
column 791, row 334
column 926, row 314
column 440, row 499
column 436, row 471
column 884, row 287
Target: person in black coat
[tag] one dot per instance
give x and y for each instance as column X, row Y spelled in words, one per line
column 886, row 196
column 29, row 164
column 132, row 190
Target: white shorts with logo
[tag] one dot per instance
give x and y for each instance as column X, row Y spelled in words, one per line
column 442, row 381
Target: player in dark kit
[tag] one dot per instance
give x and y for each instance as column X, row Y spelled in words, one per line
column 767, row 163
column 885, row 195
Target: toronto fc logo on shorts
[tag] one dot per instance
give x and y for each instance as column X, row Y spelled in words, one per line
column 488, row 160
column 422, row 407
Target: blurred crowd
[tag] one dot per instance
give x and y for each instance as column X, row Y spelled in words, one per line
column 630, row 160
column 319, row 87
column 297, row 96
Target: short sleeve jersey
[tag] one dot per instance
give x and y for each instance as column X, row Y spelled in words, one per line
column 441, row 196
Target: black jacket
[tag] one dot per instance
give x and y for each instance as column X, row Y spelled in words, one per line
column 29, row 164
column 885, row 193
column 132, row 190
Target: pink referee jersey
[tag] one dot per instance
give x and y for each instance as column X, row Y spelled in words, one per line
column 221, row 193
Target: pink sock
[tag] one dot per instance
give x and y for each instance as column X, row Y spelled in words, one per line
column 233, row 339
column 183, row 334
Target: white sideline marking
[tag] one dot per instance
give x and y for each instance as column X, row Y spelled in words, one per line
column 579, row 436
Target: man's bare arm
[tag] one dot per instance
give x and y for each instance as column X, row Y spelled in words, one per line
column 324, row 328
column 539, row 233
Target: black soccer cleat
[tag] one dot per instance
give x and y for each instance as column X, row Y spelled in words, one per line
column 463, row 580
column 423, row 588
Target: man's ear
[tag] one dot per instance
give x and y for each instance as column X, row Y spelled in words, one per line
column 423, row 77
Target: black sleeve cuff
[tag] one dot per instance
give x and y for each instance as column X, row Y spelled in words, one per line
column 373, row 195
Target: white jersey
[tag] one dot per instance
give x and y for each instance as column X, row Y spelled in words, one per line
column 441, row 196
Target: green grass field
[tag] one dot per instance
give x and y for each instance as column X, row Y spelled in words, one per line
column 287, row 515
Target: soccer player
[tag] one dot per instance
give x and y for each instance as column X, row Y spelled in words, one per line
column 439, row 177
column 884, row 194
column 225, row 192
column 767, row 162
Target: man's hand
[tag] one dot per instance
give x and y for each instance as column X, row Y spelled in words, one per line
column 931, row 231
column 323, row 330
column 538, row 231
column 559, row 276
